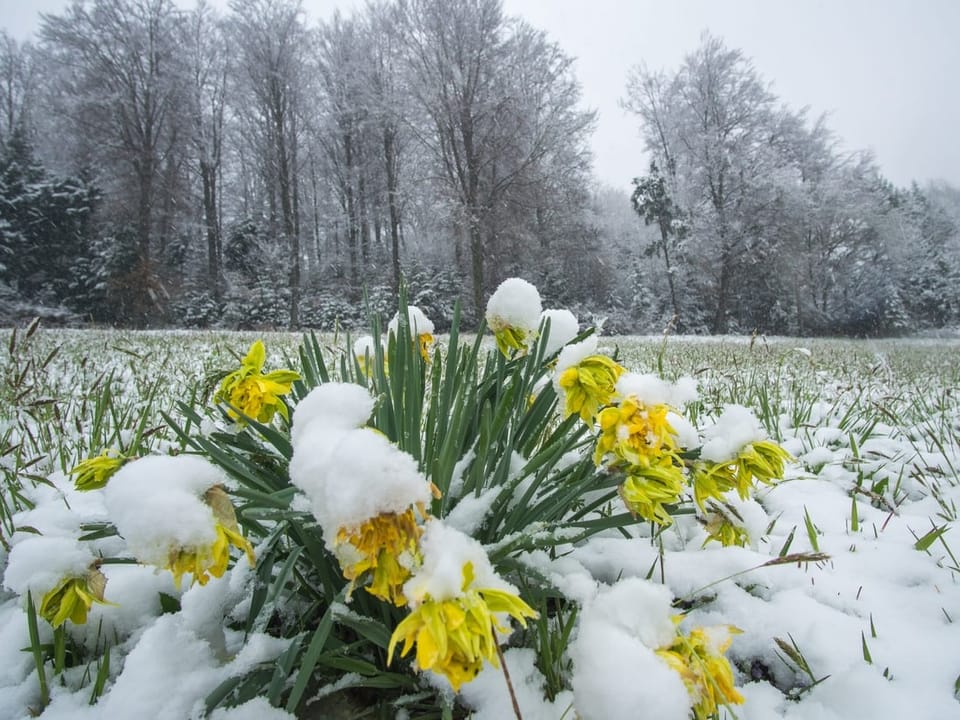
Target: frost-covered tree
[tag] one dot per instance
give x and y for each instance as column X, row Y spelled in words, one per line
column 711, row 126
column 500, row 103
column 119, row 83
column 272, row 40
column 18, row 79
column 652, row 201
column 207, row 65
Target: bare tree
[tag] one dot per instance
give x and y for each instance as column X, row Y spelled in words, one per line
column 501, row 103
column 272, row 40
column 206, row 50
column 17, row 79
column 125, row 90
column 710, row 127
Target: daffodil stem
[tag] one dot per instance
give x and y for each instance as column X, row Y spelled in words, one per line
column 506, row 676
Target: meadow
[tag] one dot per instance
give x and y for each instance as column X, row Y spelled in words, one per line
column 843, row 603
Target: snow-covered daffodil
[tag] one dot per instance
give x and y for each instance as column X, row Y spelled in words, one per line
column 252, row 393
column 647, row 489
column 72, row 597
column 760, row 460
column 589, row 385
column 454, row 636
column 635, row 433
column 95, row 472
column 386, row 546
column 699, row 660
column 206, row 561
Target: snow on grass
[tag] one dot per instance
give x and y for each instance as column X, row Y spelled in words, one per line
column 872, row 632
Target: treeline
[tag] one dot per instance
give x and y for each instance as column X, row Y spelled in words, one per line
column 168, row 167
column 762, row 224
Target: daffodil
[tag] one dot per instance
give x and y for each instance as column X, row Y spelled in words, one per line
column 420, row 327
column 513, row 315
column 699, row 660
column 590, row 385
column 712, row 480
column 206, row 561
column 512, row 340
column 93, row 473
column 723, row 529
column 72, row 597
column 647, row 489
column 761, row 460
column 251, row 393
column 454, row 636
column 635, row 433
column 426, row 343
column 385, row 546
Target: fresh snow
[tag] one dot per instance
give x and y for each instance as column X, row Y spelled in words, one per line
column 877, row 593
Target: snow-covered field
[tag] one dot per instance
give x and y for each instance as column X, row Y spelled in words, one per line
column 872, row 631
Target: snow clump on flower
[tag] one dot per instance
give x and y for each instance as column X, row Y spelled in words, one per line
column 350, row 473
column 619, row 633
column 513, row 314
column 157, row 504
column 337, row 406
column 652, row 390
column 419, row 323
column 563, row 328
column 737, row 426
column 445, row 551
column 37, row 564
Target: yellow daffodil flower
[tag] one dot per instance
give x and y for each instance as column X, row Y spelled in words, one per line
column 212, row 560
column 248, row 391
column 454, row 636
column 635, row 433
column 705, row 671
column 762, row 460
column 647, row 490
column 712, row 480
column 590, row 385
column 724, row 531
column 387, row 546
column 93, row 473
column 426, row 343
column 510, row 339
column 72, row 598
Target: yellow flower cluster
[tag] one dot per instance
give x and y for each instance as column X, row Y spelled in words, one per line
column 590, row 385
column 72, row 598
column 761, row 461
column 454, row 636
column 705, row 670
column 252, row 394
column 94, row 473
column 386, row 546
column 211, row 560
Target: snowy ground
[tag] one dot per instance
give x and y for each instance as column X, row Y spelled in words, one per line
column 876, row 431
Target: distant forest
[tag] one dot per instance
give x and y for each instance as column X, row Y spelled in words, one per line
column 161, row 167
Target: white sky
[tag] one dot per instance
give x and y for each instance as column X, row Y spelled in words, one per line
column 886, row 71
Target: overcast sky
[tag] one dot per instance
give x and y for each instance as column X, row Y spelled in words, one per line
column 886, row 71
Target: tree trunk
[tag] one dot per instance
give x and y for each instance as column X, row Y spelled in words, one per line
column 665, row 237
column 391, row 170
column 208, row 179
column 476, row 264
